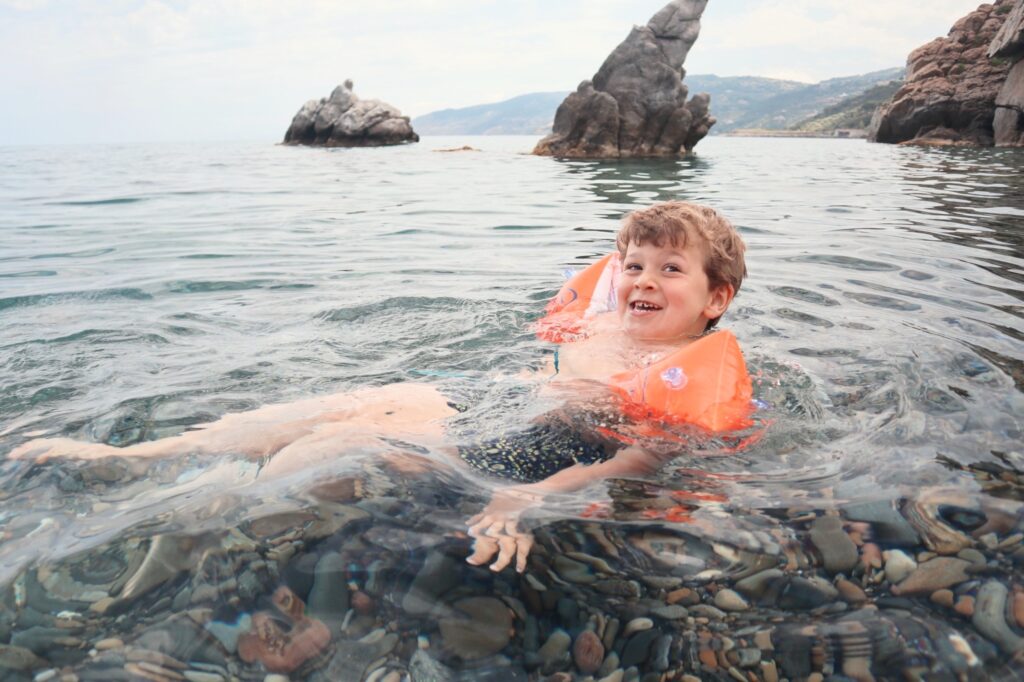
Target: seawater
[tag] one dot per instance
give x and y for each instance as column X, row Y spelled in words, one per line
column 146, row 289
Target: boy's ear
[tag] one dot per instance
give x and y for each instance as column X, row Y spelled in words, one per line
column 718, row 301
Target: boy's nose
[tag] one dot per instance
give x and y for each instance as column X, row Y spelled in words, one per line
column 644, row 281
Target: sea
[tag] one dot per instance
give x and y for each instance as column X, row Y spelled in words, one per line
column 870, row 528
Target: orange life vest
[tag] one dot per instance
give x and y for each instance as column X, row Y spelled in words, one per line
column 704, row 383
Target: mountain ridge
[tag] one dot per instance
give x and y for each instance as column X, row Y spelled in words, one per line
column 736, row 101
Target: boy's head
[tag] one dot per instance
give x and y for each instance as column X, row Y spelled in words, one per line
column 681, row 224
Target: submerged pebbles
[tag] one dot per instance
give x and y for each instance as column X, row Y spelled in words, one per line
column 369, row 587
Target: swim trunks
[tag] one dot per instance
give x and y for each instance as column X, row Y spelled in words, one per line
column 535, row 453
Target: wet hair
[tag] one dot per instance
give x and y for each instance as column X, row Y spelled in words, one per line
column 678, row 222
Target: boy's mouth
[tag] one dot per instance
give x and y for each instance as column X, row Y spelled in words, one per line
column 644, row 307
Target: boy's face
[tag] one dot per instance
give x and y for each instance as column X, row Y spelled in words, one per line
column 664, row 293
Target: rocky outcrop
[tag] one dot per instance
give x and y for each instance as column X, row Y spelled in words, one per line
column 1008, row 124
column 949, row 96
column 636, row 106
column 344, row 120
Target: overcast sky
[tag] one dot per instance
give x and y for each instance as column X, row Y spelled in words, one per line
column 204, row 70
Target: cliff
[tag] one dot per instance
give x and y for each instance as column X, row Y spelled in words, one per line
column 1008, row 123
column 949, row 96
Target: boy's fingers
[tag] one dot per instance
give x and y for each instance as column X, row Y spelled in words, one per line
column 508, row 551
column 523, row 548
column 483, row 550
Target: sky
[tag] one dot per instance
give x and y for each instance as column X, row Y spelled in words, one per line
column 102, row 71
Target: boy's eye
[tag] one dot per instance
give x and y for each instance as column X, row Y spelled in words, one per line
column 633, row 266
column 673, row 268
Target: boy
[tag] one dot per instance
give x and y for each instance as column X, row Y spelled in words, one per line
column 681, row 266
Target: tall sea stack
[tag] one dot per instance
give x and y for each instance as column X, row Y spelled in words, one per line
column 636, row 106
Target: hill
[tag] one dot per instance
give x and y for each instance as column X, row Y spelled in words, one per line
column 787, row 109
column 736, row 101
column 530, row 114
column 852, row 112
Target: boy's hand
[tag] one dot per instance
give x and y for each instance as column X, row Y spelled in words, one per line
column 496, row 530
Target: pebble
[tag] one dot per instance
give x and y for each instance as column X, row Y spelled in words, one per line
column 898, row 565
column 850, row 592
column 573, row 571
column 972, row 555
column 637, row 625
column 477, row 627
column 660, row 653
column 1018, row 608
column 438, row 575
column 555, row 650
column 965, row 606
column 274, row 677
column 943, row 597
column 199, row 676
column 708, row 611
column 423, row 668
column 989, row 619
column 728, row 600
column 618, row 588
column 684, row 596
column 757, row 584
column 870, row 555
column 838, row 551
column 933, row 575
column 45, row 676
column 670, row 612
column 638, row 648
column 614, row 676
column 588, row 652
column 108, row 643
column 610, row 665
column 329, row 598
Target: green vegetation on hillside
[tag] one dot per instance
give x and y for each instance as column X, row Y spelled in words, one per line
column 851, row 112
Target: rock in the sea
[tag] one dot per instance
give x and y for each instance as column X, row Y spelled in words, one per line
column 344, row 120
column 949, row 96
column 636, row 105
column 1009, row 45
column 477, row 627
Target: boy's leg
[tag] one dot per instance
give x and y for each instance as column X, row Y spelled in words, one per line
column 267, row 430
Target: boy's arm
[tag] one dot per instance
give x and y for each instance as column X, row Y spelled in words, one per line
column 495, row 529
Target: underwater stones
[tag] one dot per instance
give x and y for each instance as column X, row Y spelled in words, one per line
column 618, row 588
column 803, row 594
column 887, row 525
column 638, row 648
column 554, row 653
column 933, row 575
column 837, row 549
column 936, row 534
column 476, row 627
column 588, row 652
column 344, row 120
column 438, row 574
column 670, row 612
column 898, row 565
column 759, row 583
column 990, row 620
column 353, row 659
column 573, row 571
column 728, row 600
column 19, row 659
column 637, row 625
column 329, row 599
column 423, row 668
